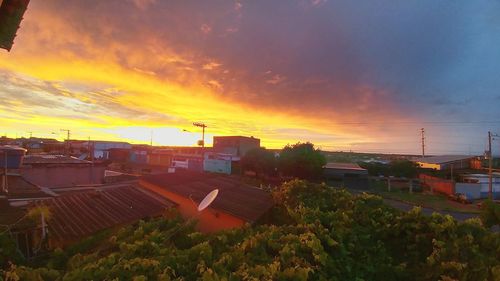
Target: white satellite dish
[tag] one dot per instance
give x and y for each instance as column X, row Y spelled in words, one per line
column 208, row 200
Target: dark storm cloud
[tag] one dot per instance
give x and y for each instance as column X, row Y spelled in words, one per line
column 305, row 54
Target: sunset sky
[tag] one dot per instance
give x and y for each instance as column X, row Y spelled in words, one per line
column 346, row 75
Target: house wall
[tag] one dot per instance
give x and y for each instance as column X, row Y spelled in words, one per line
column 438, row 184
column 63, row 176
column 471, row 190
column 217, row 166
column 209, row 220
column 483, row 182
column 160, row 160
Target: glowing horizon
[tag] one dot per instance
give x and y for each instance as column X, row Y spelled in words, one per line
column 244, row 72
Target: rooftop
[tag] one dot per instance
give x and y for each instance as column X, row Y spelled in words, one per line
column 343, row 166
column 443, row 159
column 20, row 188
column 52, row 159
column 235, row 197
column 77, row 215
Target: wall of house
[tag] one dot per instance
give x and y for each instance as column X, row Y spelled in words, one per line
column 471, row 190
column 63, row 176
column 209, row 220
column 217, row 166
column 160, row 160
column 438, row 184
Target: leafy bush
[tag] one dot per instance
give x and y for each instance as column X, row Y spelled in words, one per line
column 328, row 234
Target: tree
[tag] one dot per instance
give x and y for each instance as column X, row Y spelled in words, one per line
column 260, row 161
column 490, row 213
column 403, row 168
column 302, row 160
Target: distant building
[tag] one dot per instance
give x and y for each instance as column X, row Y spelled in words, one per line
column 476, row 186
column 447, row 162
column 215, row 163
column 160, row 157
column 101, row 148
column 190, row 162
column 119, row 155
column 60, row 171
column 236, row 204
column 235, row 145
column 341, row 170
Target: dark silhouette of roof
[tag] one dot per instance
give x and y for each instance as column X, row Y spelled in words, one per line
column 19, row 188
column 76, row 215
column 343, row 166
column 11, row 15
column 235, row 197
column 52, row 159
column 443, row 159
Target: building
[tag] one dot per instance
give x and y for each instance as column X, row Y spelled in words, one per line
column 160, row 157
column 235, row 145
column 447, row 162
column 476, row 186
column 190, row 162
column 342, row 170
column 101, row 148
column 60, row 171
column 217, row 163
column 119, row 155
column 236, row 204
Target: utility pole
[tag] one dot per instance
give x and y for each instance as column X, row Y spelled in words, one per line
column 90, row 148
column 203, row 126
column 151, row 140
column 67, row 139
column 490, row 167
column 68, row 133
column 422, row 131
column 31, row 134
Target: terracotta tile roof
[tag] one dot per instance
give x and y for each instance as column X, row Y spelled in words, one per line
column 235, row 197
column 77, row 215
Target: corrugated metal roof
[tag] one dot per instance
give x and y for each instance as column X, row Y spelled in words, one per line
column 235, row 197
column 77, row 215
column 52, row 159
column 19, row 187
column 443, row 159
column 343, row 166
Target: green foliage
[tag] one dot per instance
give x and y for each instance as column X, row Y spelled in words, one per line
column 260, row 161
column 398, row 168
column 490, row 213
column 8, row 250
column 324, row 234
column 301, row 160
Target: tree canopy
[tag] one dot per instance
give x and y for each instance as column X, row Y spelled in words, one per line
column 301, row 160
column 259, row 160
